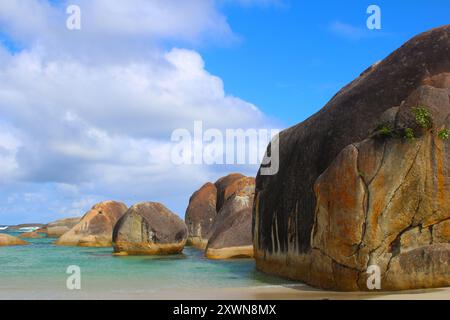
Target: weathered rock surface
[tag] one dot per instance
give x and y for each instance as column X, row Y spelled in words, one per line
column 200, row 215
column 57, row 228
column 7, row 240
column 31, row 235
column 204, row 205
column 95, row 227
column 149, row 229
column 346, row 198
column 231, row 235
column 226, row 187
column 219, row 217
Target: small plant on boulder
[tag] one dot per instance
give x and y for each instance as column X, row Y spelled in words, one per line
column 423, row 117
column 444, row 134
column 384, row 130
column 409, row 134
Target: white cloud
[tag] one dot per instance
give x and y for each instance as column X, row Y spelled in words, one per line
column 354, row 32
column 88, row 116
column 348, row 31
column 9, row 146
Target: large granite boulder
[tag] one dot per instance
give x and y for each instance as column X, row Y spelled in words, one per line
column 200, row 215
column 231, row 235
column 7, row 240
column 219, row 217
column 204, row 205
column 226, row 187
column 149, row 229
column 57, row 228
column 95, row 227
column 366, row 181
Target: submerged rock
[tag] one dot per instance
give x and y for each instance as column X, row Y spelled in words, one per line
column 366, row 181
column 95, row 227
column 32, row 235
column 7, row 240
column 149, row 229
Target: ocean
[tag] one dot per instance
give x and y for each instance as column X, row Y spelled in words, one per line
column 38, row 271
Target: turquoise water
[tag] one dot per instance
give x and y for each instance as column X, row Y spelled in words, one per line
column 40, row 269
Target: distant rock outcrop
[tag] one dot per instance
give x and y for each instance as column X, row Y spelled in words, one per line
column 149, row 229
column 57, row 228
column 95, row 227
column 26, row 226
column 219, row 217
column 31, row 235
column 7, row 240
column 365, row 182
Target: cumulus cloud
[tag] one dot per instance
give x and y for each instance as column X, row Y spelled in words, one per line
column 87, row 115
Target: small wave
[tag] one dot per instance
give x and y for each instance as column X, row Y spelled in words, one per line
column 3, row 228
column 28, row 229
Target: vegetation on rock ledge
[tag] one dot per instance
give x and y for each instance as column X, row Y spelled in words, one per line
column 423, row 117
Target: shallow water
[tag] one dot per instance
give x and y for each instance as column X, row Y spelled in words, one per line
column 39, row 271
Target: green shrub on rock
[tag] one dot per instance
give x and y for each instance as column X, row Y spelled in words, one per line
column 444, row 134
column 423, row 117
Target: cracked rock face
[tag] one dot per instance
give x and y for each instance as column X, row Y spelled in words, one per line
column 149, row 228
column 380, row 202
column 346, row 199
column 95, row 227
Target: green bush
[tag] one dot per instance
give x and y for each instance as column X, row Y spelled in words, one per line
column 409, row 134
column 384, row 130
column 444, row 134
column 423, row 117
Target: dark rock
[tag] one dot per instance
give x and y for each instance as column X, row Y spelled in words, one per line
column 338, row 203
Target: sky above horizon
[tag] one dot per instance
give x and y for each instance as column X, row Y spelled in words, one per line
column 86, row 115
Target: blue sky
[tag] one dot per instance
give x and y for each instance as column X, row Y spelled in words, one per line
column 291, row 60
column 86, row 116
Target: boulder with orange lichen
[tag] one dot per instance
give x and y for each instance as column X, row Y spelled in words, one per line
column 366, row 181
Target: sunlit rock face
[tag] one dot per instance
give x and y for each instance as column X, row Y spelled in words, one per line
column 8, row 241
column 95, row 227
column 57, row 228
column 366, row 181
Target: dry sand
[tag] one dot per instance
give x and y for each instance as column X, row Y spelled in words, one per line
column 291, row 292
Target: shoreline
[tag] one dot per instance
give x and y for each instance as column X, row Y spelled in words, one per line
column 270, row 292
